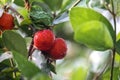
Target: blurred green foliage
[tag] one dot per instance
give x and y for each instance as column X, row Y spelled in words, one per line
column 77, row 65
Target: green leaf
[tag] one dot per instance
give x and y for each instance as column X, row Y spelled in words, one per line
column 51, row 67
column 118, row 47
column 7, row 74
column 13, row 41
column 6, row 71
column 23, row 12
column 67, row 4
column 19, row 2
column 1, row 43
column 40, row 17
column 80, row 15
column 1, row 51
column 27, row 68
column 118, row 36
column 79, row 74
column 4, row 56
column 95, row 35
column 31, row 1
column 4, row 64
column 117, row 59
column 118, row 44
column 43, row 6
column 26, row 30
column 40, row 77
column 25, row 20
column 116, row 74
column 4, row 2
column 54, row 4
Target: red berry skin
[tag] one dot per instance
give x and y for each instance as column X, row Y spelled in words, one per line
column 44, row 39
column 6, row 22
column 59, row 49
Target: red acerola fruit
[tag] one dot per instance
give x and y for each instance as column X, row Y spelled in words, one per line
column 59, row 49
column 44, row 39
column 6, row 22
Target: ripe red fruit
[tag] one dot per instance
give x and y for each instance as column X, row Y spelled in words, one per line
column 59, row 49
column 6, row 21
column 44, row 39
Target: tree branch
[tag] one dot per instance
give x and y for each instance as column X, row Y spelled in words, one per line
column 27, row 4
column 114, row 50
column 76, row 3
column 16, row 12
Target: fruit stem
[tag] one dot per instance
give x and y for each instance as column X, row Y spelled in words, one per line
column 33, row 28
column 30, row 48
column 114, row 49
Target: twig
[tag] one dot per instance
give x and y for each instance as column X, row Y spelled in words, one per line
column 16, row 12
column 114, row 50
column 76, row 3
column 27, row 4
column 103, row 70
column 33, row 28
column 30, row 48
column 107, row 7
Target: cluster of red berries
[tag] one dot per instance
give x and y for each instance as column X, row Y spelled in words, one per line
column 6, row 22
column 45, row 40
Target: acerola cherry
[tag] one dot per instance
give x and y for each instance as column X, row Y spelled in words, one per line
column 6, row 21
column 44, row 39
column 59, row 49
